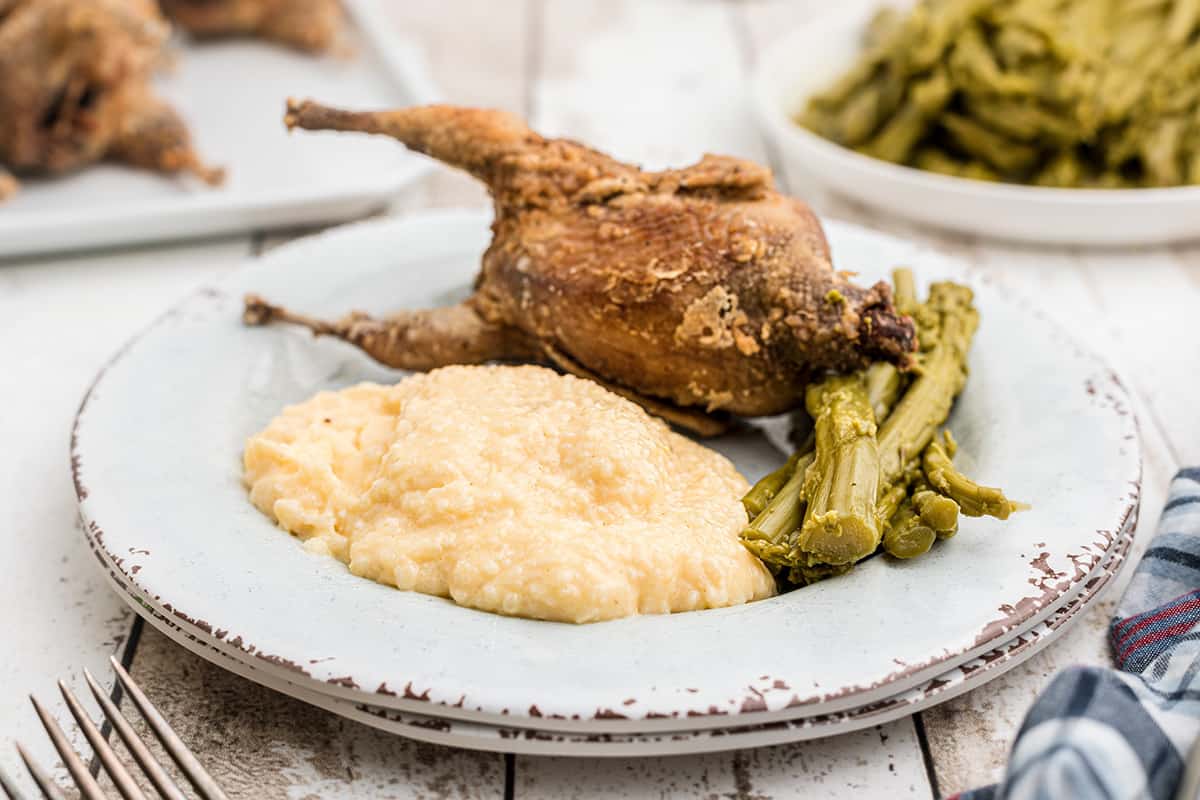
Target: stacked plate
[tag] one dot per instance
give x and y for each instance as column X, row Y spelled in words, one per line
column 156, row 459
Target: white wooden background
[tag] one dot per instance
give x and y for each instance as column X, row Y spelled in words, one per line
column 655, row 82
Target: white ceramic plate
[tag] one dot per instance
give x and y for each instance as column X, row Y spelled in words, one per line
column 526, row 741
column 232, row 94
column 809, row 59
column 157, row 452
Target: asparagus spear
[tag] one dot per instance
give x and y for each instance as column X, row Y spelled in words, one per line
column 859, row 494
column 907, row 535
column 842, row 485
column 973, row 499
column 884, row 383
column 904, row 290
column 946, row 327
column 769, row 535
column 889, row 503
column 936, row 510
column 768, row 487
column 805, row 575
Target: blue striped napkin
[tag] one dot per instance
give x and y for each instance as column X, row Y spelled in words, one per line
column 1125, row 732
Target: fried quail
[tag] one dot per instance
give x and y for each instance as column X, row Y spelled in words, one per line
column 699, row 291
column 75, row 89
column 309, row 25
column 8, row 185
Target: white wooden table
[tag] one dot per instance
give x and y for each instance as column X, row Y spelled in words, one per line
column 655, row 82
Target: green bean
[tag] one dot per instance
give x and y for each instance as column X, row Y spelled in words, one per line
column 896, row 139
column 1182, row 21
column 1162, row 152
column 974, row 67
column 1023, row 120
column 988, row 146
column 1065, row 93
column 883, row 25
column 1063, row 172
column 860, row 115
column 1016, row 44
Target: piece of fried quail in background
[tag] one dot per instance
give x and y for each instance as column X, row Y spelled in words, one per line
column 8, row 185
column 75, row 88
column 694, row 290
column 309, row 25
column 154, row 137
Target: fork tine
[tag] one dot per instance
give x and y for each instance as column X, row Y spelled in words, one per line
column 48, row 787
column 112, row 765
column 204, row 784
column 145, row 759
column 10, row 789
column 88, row 788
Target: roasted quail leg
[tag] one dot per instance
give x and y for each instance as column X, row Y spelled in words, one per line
column 152, row 136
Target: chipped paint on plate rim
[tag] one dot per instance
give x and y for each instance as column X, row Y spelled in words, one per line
column 526, row 741
column 646, row 673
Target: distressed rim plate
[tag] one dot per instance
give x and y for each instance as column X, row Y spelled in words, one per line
column 806, row 60
column 156, row 462
column 527, row 741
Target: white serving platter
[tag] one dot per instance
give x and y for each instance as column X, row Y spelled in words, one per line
column 156, row 458
column 233, row 94
column 809, row 59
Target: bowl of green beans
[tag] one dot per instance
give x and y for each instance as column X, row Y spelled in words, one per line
column 1073, row 122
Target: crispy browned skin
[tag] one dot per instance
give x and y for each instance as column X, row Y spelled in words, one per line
column 75, row 88
column 309, row 25
column 8, row 185
column 154, row 137
column 702, row 287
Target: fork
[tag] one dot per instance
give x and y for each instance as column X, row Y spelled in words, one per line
column 89, row 788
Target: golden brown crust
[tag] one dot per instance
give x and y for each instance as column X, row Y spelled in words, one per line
column 698, row 422
column 8, row 185
column 417, row 340
column 309, row 25
column 703, row 286
column 154, row 137
column 75, row 88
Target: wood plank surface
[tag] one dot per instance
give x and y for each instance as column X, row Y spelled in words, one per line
column 61, row 319
column 658, row 83
column 883, row 761
column 259, row 743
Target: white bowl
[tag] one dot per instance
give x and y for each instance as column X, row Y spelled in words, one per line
column 809, row 59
